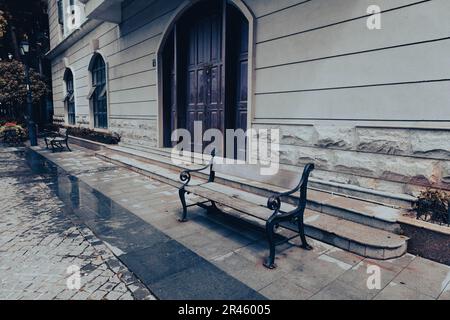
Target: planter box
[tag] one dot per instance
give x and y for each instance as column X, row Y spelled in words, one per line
column 427, row 240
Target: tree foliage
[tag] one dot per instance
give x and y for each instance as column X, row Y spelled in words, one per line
column 3, row 24
column 13, row 89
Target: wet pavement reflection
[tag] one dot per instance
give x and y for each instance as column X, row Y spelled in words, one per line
column 168, row 268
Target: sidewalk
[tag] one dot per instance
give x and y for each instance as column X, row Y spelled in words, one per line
column 213, row 256
column 39, row 244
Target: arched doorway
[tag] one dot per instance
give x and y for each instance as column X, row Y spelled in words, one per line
column 204, row 64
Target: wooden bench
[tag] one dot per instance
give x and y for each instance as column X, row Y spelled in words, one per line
column 271, row 213
column 58, row 140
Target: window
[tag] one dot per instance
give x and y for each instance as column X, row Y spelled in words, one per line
column 98, row 95
column 70, row 97
column 70, row 16
column 61, row 14
column 72, row 12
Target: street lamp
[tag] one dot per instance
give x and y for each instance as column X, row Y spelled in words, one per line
column 24, row 50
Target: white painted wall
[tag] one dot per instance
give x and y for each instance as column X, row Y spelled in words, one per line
column 316, row 64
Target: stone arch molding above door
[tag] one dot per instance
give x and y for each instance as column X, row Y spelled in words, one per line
column 187, row 4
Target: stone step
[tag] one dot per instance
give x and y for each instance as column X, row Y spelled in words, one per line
column 404, row 201
column 341, row 206
column 348, row 235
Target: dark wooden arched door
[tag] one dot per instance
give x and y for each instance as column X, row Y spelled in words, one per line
column 200, row 38
column 205, row 75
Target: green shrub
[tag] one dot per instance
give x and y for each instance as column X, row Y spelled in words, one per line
column 21, row 132
column 89, row 134
column 433, row 206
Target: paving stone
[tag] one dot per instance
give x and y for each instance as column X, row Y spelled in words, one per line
column 126, row 296
column 203, row 281
column 398, row 291
column 339, row 290
column 142, row 294
column 81, row 295
column 43, row 296
column 153, row 264
column 66, row 294
column 358, row 276
column 254, row 275
column 97, row 295
column 113, row 295
column 445, row 295
column 108, row 286
column 283, row 289
column 315, row 274
column 212, row 245
column 433, row 279
column 344, row 256
column 121, row 287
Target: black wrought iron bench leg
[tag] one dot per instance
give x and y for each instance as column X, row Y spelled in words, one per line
column 213, row 207
column 67, row 146
column 182, row 194
column 301, row 231
column 270, row 261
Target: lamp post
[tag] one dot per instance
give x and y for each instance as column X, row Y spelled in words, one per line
column 24, row 50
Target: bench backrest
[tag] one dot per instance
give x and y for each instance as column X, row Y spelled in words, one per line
column 286, row 179
column 63, row 132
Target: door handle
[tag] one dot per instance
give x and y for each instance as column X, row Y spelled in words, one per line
column 208, row 69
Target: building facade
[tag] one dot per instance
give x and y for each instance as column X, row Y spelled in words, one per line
column 365, row 96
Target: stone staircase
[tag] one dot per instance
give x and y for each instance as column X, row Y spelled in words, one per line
column 355, row 219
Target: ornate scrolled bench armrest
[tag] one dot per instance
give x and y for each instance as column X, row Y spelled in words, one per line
column 274, row 201
column 185, row 175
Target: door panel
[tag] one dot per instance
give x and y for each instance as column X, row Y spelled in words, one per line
column 209, row 78
column 204, row 98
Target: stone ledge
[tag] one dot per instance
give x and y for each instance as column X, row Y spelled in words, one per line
column 404, row 219
column 89, row 144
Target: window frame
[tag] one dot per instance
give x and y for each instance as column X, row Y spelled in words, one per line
column 98, row 94
column 69, row 98
column 60, row 5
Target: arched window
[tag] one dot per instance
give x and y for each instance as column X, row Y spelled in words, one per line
column 69, row 99
column 98, row 93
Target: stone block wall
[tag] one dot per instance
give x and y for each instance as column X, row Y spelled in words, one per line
column 399, row 160
column 137, row 132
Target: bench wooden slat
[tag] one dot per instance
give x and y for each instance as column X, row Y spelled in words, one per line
column 245, row 195
column 232, row 202
column 285, row 179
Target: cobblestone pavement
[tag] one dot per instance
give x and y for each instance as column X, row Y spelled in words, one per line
column 41, row 247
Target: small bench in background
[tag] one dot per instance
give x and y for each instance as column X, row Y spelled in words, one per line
column 57, row 141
